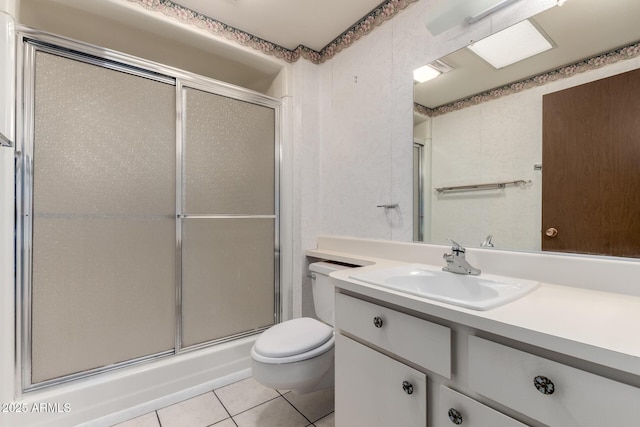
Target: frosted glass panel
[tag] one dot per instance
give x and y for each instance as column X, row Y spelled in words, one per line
column 229, row 156
column 104, row 251
column 228, row 277
column 103, row 292
column 104, row 140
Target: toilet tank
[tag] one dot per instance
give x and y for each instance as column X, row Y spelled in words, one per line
column 323, row 289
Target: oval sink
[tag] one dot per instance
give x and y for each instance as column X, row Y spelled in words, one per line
column 476, row 292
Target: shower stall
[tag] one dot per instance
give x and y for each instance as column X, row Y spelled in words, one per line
column 147, row 219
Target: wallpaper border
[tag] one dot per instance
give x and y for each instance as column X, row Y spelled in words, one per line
column 373, row 19
column 620, row 54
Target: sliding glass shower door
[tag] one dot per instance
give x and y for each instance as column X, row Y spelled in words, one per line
column 103, row 261
column 228, row 216
column 147, row 213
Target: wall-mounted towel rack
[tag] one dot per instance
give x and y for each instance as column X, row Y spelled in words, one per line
column 492, row 186
column 4, row 141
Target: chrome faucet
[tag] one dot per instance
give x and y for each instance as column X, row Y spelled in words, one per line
column 487, row 242
column 456, row 262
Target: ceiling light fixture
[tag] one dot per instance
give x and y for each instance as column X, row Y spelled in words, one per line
column 425, row 73
column 430, row 71
column 489, row 11
column 511, row 45
column 446, row 14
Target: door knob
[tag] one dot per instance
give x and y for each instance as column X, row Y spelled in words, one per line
column 551, row 232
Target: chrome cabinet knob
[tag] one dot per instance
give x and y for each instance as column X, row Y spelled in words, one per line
column 377, row 322
column 407, row 387
column 544, row 385
column 455, row 416
column 551, row 232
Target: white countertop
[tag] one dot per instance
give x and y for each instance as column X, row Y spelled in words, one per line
column 592, row 325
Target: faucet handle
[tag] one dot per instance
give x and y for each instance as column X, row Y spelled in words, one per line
column 487, row 242
column 457, row 248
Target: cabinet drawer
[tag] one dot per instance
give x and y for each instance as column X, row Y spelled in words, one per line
column 453, row 408
column 419, row 341
column 574, row 397
column 373, row 390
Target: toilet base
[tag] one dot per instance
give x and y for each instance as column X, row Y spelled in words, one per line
column 299, row 377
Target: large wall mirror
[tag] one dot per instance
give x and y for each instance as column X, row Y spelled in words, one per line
column 489, row 174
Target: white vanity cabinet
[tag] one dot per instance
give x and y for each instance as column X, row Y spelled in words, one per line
column 469, row 377
column 550, row 392
column 375, row 390
column 378, row 390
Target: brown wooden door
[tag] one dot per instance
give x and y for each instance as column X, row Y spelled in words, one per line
column 591, row 167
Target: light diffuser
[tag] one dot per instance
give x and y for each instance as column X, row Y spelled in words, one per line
column 424, row 73
column 511, row 45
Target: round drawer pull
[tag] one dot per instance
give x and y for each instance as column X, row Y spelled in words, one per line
column 407, row 387
column 455, row 416
column 377, row 322
column 544, row 385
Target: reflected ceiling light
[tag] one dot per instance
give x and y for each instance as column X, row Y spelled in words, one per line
column 425, row 73
column 511, row 45
column 430, row 71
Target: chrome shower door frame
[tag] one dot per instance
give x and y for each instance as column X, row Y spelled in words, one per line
column 29, row 42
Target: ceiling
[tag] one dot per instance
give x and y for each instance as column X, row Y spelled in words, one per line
column 579, row 29
column 288, row 23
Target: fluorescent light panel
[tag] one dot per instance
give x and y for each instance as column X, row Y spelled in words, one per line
column 511, row 45
column 431, row 71
column 424, row 73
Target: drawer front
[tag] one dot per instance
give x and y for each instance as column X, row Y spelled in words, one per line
column 373, row 390
column 419, row 341
column 569, row 396
column 453, row 408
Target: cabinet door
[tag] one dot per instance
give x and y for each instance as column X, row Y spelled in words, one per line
column 375, row 390
column 550, row 392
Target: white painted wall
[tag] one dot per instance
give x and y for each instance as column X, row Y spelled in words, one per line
column 305, row 183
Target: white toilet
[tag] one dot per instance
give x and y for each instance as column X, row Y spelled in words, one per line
column 298, row 354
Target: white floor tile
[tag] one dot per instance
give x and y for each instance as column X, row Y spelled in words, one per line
column 226, row 423
column 200, row 411
column 147, row 420
column 328, row 421
column 313, row 405
column 243, row 395
column 274, row 413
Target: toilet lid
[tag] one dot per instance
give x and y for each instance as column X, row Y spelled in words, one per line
column 293, row 337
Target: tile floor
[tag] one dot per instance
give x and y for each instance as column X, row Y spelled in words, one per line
column 245, row 403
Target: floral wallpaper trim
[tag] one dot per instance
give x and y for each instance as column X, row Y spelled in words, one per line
column 620, row 54
column 379, row 15
column 375, row 18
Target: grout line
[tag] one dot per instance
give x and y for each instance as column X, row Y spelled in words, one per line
column 224, row 407
column 221, row 402
column 324, row 416
column 255, row 406
column 305, row 417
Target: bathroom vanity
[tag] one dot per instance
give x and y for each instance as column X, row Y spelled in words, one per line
column 558, row 356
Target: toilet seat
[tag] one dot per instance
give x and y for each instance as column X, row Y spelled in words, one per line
column 293, row 341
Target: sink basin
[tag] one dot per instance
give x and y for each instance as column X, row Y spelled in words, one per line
column 475, row 292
